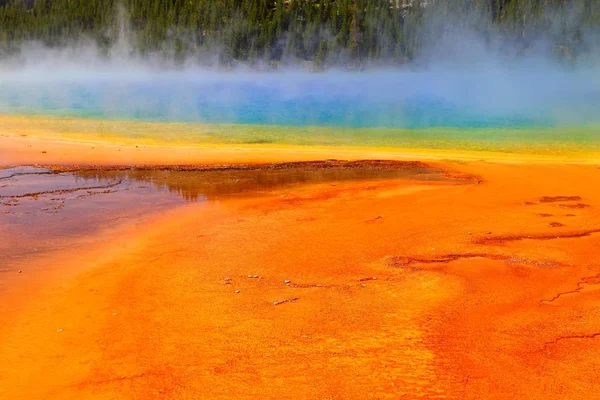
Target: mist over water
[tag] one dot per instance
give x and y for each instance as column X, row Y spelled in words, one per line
column 515, row 95
column 460, row 81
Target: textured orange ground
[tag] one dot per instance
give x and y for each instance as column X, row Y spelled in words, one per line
column 477, row 296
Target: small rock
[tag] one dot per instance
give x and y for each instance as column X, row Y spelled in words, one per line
column 59, row 330
column 292, row 300
column 237, row 291
column 368, row 279
column 363, row 285
column 20, row 271
column 469, row 233
column 287, row 282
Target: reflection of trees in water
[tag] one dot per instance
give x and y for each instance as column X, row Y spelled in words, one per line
column 195, row 185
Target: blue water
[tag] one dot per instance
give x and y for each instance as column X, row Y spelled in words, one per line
column 503, row 99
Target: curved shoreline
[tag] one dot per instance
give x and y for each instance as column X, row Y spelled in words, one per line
column 402, row 284
column 44, row 140
column 44, row 150
column 402, row 288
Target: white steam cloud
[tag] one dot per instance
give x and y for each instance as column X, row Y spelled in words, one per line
column 461, row 78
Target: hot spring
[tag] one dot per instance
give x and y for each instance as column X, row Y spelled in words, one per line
column 529, row 108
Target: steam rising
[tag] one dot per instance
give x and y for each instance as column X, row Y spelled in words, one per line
column 460, row 79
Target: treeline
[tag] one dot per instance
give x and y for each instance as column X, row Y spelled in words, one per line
column 324, row 32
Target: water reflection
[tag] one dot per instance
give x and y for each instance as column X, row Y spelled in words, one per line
column 42, row 210
column 199, row 184
column 215, row 183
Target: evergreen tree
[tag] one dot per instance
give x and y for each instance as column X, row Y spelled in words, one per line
column 348, row 32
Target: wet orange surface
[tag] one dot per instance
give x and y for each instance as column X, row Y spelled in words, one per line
column 485, row 288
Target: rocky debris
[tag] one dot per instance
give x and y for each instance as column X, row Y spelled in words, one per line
column 543, row 236
column 409, row 262
column 308, row 285
column 227, row 281
column 556, row 199
column 574, row 206
column 372, row 220
column 11, row 203
column 8, row 173
column 367, row 279
column 62, row 191
column 292, row 300
column 378, row 218
column 254, row 276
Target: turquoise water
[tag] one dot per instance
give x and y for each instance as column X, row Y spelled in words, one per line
column 413, row 100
